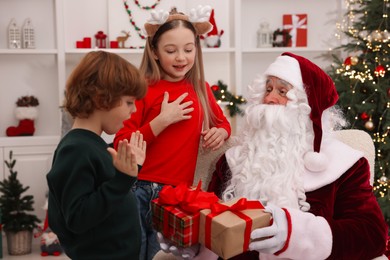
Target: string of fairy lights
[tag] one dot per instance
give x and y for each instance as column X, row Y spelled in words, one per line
column 223, row 95
column 374, row 41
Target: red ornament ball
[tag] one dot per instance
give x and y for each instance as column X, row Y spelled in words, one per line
column 388, row 92
column 214, row 87
column 364, row 116
column 347, row 61
column 380, row 71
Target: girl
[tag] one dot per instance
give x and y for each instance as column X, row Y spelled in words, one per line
column 178, row 104
column 91, row 208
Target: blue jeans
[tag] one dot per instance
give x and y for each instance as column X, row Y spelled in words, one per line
column 145, row 192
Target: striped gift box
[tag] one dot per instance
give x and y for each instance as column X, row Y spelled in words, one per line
column 176, row 225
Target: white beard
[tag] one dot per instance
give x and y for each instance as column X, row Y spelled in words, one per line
column 268, row 165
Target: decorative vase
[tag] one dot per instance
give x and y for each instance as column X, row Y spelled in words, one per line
column 19, row 243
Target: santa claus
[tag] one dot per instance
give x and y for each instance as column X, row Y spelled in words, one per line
column 316, row 188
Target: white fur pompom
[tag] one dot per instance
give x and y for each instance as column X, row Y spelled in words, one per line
column 200, row 14
column 26, row 113
column 315, row 162
column 159, row 17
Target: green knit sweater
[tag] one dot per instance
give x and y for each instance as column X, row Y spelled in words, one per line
column 91, row 207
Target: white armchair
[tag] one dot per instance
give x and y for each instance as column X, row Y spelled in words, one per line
column 357, row 139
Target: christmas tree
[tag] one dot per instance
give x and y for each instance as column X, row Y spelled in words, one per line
column 362, row 76
column 14, row 205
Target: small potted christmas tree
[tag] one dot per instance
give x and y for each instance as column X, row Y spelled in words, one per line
column 17, row 223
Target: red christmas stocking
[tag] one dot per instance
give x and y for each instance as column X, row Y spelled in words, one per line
column 25, row 128
column 26, row 116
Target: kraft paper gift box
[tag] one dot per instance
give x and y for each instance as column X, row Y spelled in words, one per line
column 228, row 233
column 296, row 25
column 176, row 213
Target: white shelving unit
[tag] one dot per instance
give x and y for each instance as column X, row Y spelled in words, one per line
column 60, row 23
column 30, row 72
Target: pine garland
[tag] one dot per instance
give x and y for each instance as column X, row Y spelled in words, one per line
column 221, row 94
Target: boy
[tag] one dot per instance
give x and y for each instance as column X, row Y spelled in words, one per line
column 91, row 208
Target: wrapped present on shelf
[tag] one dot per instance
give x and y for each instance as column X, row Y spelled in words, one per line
column 176, row 213
column 296, row 25
column 225, row 228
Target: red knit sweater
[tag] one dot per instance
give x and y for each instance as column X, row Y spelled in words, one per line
column 171, row 156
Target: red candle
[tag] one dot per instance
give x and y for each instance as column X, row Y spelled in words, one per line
column 87, row 42
column 79, row 44
column 114, row 45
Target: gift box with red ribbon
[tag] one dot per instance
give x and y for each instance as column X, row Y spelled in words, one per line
column 225, row 228
column 176, row 213
column 296, row 25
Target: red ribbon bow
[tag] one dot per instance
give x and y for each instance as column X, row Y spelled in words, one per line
column 236, row 208
column 190, row 200
column 240, row 205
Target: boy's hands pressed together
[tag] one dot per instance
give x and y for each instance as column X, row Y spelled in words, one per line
column 138, row 146
column 125, row 159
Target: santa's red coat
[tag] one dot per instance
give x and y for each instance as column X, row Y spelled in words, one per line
column 344, row 221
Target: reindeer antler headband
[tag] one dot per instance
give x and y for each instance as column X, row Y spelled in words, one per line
column 198, row 17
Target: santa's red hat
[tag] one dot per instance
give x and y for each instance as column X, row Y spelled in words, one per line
column 321, row 94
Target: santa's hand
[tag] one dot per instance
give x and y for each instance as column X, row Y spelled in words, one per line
column 273, row 237
column 178, row 252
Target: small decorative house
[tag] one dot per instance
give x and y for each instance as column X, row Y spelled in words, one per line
column 28, row 34
column 264, row 36
column 14, row 41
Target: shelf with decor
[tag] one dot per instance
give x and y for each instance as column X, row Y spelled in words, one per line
column 256, row 17
column 140, row 51
column 236, row 61
column 113, row 19
column 312, row 23
column 29, row 57
column 60, row 24
column 284, row 49
column 117, row 51
column 28, row 51
column 29, row 67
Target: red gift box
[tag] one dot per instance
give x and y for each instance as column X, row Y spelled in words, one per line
column 176, row 225
column 176, row 213
column 296, row 25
